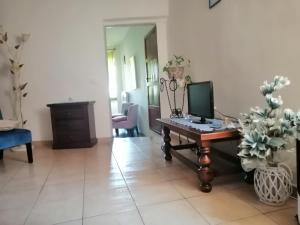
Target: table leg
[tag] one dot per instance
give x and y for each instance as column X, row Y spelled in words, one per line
column 205, row 174
column 167, row 144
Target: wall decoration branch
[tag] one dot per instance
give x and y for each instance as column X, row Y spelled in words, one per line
column 176, row 69
column 212, row 3
column 14, row 53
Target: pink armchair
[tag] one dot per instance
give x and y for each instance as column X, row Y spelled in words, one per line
column 124, row 109
column 128, row 122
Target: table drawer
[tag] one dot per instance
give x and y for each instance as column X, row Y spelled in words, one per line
column 71, row 137
column 71, row 125
column 68, row 114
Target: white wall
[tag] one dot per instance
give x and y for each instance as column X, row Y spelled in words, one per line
column 65, row 56
column 238, row 45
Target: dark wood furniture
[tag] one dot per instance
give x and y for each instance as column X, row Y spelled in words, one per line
column 203, row 142
column 73, row 125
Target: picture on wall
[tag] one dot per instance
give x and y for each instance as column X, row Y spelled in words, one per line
column 212, row 3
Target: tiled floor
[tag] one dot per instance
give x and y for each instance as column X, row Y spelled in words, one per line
column 126, row 182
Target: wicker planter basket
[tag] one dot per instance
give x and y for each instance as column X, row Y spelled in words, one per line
column 273, row 185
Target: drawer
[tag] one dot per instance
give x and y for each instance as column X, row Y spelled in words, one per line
column 71, row 137
column 68, row 114
column 71, row 125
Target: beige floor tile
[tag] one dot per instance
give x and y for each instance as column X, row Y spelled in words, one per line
column 284, row 216
column 177, row 172
column 34, row 170
column 58, row 203
column 104, row 184
column 55, row 212
column 191, row 187
column 137, row 166
column 98, row 201
column 222, row 207
column 175, row 213
column 20, row 184
column 112, row 176
column 64, row 178
column 125, row 157
column 91, row 178
column 248, row 195
column 11, row 199
column 61, row 192
column 14, row 216
column 155, row 193
column 74, row 222
column 255, row 220
column 126, row 218
column 139, row 178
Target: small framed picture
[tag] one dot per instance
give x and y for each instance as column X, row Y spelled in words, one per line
column 212, row 3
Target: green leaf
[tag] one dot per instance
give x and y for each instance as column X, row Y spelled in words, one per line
column 277, row 142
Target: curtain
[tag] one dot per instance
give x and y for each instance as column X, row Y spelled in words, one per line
column 112, row 75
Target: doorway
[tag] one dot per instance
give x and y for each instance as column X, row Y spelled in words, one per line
column 132, row 62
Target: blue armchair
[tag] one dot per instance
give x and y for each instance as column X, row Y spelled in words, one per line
column 15, row 137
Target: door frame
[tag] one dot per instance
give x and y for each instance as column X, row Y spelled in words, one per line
column 150, row 107
column 162, row 47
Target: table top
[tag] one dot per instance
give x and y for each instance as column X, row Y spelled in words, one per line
column 70, row 103
column 214, row 134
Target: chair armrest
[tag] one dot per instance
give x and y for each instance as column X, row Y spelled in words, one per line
column 119, row 119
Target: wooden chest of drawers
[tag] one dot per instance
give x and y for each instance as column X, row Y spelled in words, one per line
column 73, row 125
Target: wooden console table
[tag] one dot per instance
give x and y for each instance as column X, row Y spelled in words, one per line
column 203, row 142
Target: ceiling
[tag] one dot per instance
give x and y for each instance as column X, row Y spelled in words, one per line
column 115, row 35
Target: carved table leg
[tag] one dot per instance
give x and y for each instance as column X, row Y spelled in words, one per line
column 167, row 145
column 205, row 174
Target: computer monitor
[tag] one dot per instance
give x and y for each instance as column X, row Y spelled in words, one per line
column 201, row 100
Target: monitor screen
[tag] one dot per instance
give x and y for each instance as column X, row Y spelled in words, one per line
column 201, row 99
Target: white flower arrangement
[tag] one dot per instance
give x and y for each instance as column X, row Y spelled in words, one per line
column 266, row 131
column 177, row 69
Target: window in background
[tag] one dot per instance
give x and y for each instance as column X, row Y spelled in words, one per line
column 113, row 81
column 129, row 75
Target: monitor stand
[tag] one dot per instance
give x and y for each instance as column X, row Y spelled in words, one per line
column 199, row 121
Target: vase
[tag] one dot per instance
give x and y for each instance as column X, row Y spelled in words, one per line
column 273, row 184
column 176, row 72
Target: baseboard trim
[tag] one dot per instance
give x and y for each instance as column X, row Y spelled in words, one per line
column 42, row 143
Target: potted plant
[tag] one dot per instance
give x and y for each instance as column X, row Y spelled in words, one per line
column 177, row 79
column 176, row 68
column 266, row 131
